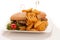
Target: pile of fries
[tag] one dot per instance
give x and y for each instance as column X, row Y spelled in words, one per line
column 35, row 20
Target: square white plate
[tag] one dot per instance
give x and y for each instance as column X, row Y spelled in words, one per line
column 48, row 29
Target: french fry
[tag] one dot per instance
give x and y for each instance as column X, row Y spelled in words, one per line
column 28, row 22
column 22, row 28
column 33, row 29
column 29, row 10
column 31, row 17
column 24, row 10
column 36, row 11
column 29, row 27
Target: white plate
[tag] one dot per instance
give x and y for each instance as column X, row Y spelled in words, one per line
column 48, row 29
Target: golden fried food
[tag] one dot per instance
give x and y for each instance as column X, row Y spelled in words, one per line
column 35, row 11
column 33, row 29
column 31, row 17
column 45, row 22
column 42, row 26
column 24, row 10
column 22, row 28
column 35, row 20
column 28, row 22
column 31, row 14
column 29, row 27
column 28, row 10
column 37, row 24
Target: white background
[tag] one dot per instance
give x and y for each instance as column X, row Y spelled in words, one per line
column 50, row 7
column 9, row 7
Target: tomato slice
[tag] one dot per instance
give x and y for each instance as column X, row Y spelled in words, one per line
column 13, row 26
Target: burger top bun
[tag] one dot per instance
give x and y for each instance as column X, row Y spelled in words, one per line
column 41, row 15
column 18, row 16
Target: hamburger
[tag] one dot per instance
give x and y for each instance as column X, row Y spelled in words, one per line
column 19, row 17
column 17, row 20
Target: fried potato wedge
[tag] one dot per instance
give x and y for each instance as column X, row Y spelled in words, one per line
column 42, row 26
column 37, row 24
